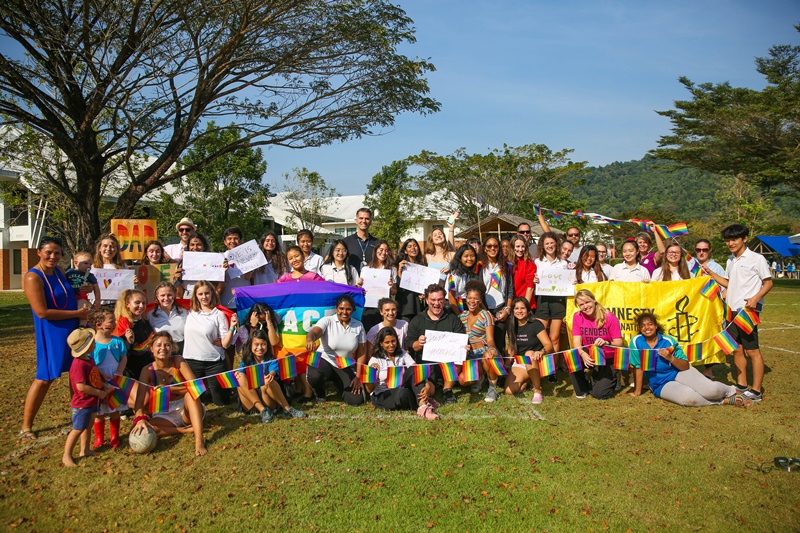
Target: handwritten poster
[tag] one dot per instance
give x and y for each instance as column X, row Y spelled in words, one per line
column 444, row 347
column 151, row 275
column 112, row 282
column 376, row 284
column 416, row 278
column 203, row 266
column 133, row 234
column 245, row 258
column 555, row 282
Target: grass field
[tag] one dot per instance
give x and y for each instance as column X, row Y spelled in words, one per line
column 635, row 464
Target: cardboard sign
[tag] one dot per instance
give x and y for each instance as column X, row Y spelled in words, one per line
column 133, row 234
column 112, row 282
column 206, row 266
column 444, row 347
column 376, row 284
column 151, row 275
column 555, row 282
column 245, row 258
column 416, row 278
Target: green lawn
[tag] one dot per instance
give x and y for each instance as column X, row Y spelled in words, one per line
column 567, row 465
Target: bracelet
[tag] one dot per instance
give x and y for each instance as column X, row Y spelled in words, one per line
column 140, row 417
column 231, row 329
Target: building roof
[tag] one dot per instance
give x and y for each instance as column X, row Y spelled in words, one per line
column 504, row 223
column 777, row 244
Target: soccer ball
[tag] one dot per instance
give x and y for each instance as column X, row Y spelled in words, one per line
column 143, row 442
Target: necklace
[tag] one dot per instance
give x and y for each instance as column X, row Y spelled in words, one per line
column 50, row 288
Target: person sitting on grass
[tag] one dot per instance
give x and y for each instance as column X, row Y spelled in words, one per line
column 673, row 378
column 185, row 414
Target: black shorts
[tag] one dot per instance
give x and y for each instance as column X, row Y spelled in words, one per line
column 551, row 307
column 749, row 341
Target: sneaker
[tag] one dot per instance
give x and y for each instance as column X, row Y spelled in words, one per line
column 750, row 394
column 448, row 396
column 580, row 396
column 491, row 394
column 426, row 412
column 537, row 397
column 741, row 389
column 267, row 416
column 291, row 412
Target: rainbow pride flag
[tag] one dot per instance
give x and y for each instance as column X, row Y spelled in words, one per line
column 648, row 359
column 678, row 229
column 523, row 359
column 726, row 343
column 195, row 388
column 299, row 305
column 573, row 360
column 394, row 376
column 367, row 374
column 313, row 359
column 622, row 359
column 663, row 231
column 344, row 362
column 471, row 370
column 227, row 380
column 596, row 353
column 536, row 209
column 547, row 365
column 496, row 364
column 694, row 352
column 144, row 345
column 711, row 289
column 287, row 368
column 159, row 399
column 494, row 280
column 255, row 376
column 614, row 223
column 449, row 371
column 124, row 384
column 728, row 312
column 746, row 320
column 641, row 223
column 115, row 399
column 421, row 373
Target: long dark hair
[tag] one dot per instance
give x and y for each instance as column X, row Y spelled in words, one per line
column 279, row 263
column 457, row 268
column 389, row 263
column 260, row 309
column 402, row 255
column 512, row 325
column 501, row 261
column 596, row 267
column 247, row 352
column 329, row 259
column 378, row 352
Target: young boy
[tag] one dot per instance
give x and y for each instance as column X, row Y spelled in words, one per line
column 87, row 387
column 313, row 262
column 110, row 356
column 80, row 276
column 748, row 282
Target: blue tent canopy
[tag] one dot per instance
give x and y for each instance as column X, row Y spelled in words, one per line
column 780, row 245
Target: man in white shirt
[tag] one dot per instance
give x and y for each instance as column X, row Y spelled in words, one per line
column 574, row 236
column 185, row 229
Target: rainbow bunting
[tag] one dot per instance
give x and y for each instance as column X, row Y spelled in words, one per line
column 523, row 359
column 746, row 320
column 573, row 360
column 449, row 371
column 727, row 311
column 115, row 399
column 496, row 364
column 663, row 231
column 287, row 368
column 596, row 353
column 195, row 388
column 648, row 359
column 547, row 365
column 344, row 362
column 726, row 343
column 694, row 352
column 124, row 384
column 159, row 399
column 622, row 359
column 641, row 223
column 227, row 380
column 471, row 370
column 255, row 376
column 614, row 223
column 394, row 376
column 711, row 289
column 314, row 359
column 367, row 374
column 421, row 373
column 677, row 230
column 576, row 213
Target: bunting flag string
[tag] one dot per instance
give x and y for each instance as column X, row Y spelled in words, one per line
column 496, row 364
column 367, row 374
column 547, row 365
column 227, row 380
column 667, row 232
column 159, row 399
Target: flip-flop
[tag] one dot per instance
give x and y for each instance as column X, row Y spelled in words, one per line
column 26, row 435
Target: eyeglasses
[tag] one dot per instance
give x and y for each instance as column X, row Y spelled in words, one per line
column 602, row 252
column 524, row 232
column 573, row 234
column 184, row 230
column 698, row 250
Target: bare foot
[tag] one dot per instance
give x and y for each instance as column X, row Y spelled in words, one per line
column 634, row 394
column 67, row 460
column 200, row 450
column 88, row 454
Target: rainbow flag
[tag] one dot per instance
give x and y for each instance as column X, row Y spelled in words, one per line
column 728, row 312
column 344, row 362
column 648, row 359
column 421, row 373
column 711, row 289
column 145, row 344
column 596, row 353
column 159, row 399
column 124, row 384
column 576, row 213
column 746, row 320
column 394, row 376
column 536, row 209
column 367, row 374
column 694, row 267
column 573, row 360
column 451, row 284
column 494, row 280
column 287, row 369
column 471, row 370
column 523, row 359
column 449, row 371
column 227, row 380
column 314, row 359
column 555, row 214
column 663, row 231
column 622, row 359
column 614, row 223
column 195, row 388
column 677, row 230
column 694, row 352
column 726, row 343
column 547, row 365
column 255, row 376
column 115, row 399
column 496, row 364
column 641, row 223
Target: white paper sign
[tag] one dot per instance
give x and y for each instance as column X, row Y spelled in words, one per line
column 444, row 347
column 555, row 282
column 112, row 282
column 203, row 266
column 376, row 284
column 416, row 278
column 245, row 258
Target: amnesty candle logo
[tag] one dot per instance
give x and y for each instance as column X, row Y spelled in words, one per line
column 681, row 326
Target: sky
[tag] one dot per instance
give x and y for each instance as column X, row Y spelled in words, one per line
column 582, row 75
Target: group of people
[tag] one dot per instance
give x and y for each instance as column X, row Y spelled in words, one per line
column 486, row 290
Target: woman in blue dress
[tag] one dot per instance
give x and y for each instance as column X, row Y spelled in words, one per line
column 55, row 315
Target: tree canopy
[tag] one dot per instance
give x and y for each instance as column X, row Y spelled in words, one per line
column 122, row 89
column 395, row 202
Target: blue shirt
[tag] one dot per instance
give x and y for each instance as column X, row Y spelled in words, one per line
column 664, row 372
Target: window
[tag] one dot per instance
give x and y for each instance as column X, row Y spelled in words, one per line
column 339, row 231
column 351, row 231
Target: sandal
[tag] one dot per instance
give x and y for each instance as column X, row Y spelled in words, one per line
column 26, row 435
column 738, row 400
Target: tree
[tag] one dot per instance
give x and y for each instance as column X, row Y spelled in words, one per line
column 122, row 89
column 308, row 197
column 227, row 192
column 742, row 132
column 502, row 181
column 395, row 203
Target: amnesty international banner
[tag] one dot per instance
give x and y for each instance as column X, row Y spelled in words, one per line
column 685, row 314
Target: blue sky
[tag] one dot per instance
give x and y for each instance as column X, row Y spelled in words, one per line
column 583, row 75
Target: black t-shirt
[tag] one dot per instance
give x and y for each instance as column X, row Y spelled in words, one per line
column 528, row 337
column 358, row 250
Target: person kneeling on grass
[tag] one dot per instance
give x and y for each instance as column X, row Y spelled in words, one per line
column 527, row 336
column 673, row 379
column 267, row 398
column 388, row 353
column 185, row 414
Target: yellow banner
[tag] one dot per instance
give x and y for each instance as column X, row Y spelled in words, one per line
column 133, row 234
column 684, row 313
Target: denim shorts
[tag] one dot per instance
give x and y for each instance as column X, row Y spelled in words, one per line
column 81, row 417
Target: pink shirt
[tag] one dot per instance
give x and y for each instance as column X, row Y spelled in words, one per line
column 586, row 328
column 307, row 276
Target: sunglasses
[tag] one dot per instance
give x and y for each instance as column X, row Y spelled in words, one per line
column 523, row 232
column 698, row 250
column 789, row 465
column 491, row 246
column 184, row 230
column 573, row 234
